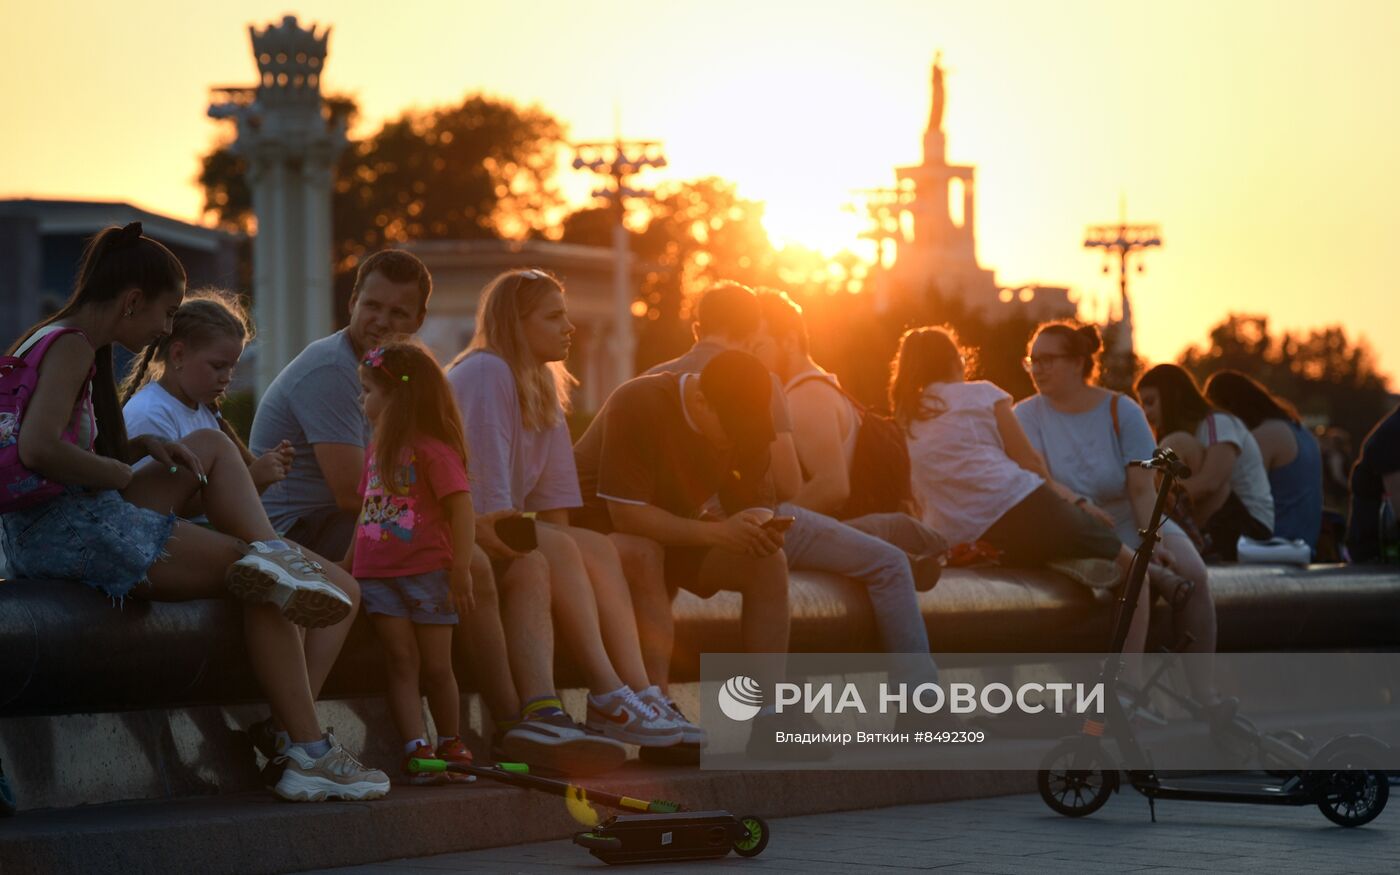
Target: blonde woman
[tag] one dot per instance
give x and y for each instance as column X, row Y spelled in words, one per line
column 513, row 390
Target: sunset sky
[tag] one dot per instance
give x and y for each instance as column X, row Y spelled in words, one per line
column 1262, row 135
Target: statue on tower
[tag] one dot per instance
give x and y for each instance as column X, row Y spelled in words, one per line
column 935, row 116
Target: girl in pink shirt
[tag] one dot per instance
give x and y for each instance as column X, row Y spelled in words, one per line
column 413, row 543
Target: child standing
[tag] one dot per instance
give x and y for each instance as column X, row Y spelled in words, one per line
column 413, row 543
column 183, row 376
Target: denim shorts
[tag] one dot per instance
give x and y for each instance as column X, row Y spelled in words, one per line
column 422, row 598
column 93, row 536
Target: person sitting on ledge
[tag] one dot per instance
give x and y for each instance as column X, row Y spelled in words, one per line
column 118, row 530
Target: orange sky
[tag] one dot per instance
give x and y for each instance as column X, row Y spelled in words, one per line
column 1261, row 135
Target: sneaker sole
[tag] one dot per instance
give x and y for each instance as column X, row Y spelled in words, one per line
column 302, row 604
column 641, row 739
column 300, row 788
column 579, row 757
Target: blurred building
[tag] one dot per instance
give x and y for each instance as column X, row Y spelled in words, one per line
column 936, row 246
column 41, row 242
column 461, row 268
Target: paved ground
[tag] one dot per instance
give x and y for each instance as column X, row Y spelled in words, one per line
column 1008, row 835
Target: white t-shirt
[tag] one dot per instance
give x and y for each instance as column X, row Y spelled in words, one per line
column 152, row 410
column 1249, row 479
column 960, row 473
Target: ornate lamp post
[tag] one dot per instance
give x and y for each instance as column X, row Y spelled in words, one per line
column 291, row 145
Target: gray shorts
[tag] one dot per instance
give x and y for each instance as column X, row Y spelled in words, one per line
column 422, row 598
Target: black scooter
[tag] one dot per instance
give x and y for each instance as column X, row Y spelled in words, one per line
column 663, row 831
column 1078, row 774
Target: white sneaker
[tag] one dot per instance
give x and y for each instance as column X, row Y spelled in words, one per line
column 691, row 733
column 289, row 580
column 335, row 775
column 622, row 716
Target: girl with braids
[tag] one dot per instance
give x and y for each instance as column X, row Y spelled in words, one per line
column 1088, row 435
column 976, row 476
column 182, row 378
column 115, row 529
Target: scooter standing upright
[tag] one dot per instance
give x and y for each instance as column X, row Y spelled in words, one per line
column 1078, row 774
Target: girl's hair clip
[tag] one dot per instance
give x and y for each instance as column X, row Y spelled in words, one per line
column 532, row 274
column 375, row 359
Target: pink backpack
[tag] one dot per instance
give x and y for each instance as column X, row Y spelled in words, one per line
column 19, row 486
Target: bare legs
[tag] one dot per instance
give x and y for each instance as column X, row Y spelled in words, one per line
column 419, row 654
column 197, row 559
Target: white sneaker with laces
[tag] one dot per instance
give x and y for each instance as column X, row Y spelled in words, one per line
column 691, row 733
column 286, row 578
column 334, row 775
column 622, row 716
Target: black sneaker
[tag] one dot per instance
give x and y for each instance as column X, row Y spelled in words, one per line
column 555, row 743
column 264, row 739
column 927, row 569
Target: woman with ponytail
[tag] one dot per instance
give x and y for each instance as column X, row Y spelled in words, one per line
column 182, row 377
column 1088, row 435
column 116, row 529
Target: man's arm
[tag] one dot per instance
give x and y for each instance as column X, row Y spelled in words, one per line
column 742, row 533
column 341, row 466
column 816, row 433
column 787, row 473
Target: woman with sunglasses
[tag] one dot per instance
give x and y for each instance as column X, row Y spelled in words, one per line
column 1088, row 435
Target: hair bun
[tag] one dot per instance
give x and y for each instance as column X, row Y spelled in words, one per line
column 1091, row 338
column 128, row 235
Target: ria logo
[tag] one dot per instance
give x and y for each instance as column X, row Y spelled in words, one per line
column 740, row 698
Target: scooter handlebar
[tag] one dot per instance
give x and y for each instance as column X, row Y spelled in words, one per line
column 1165, row 460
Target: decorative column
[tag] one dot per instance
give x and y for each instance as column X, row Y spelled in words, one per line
column 290, row 144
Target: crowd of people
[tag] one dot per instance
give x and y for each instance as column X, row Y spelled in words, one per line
column 435, row 497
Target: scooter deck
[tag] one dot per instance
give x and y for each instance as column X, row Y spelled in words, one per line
column 1245, row 790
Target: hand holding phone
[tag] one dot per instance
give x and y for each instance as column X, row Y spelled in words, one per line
column 779, row 523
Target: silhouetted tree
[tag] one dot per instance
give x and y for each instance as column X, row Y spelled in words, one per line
column 481, row 169
column 1326, row 375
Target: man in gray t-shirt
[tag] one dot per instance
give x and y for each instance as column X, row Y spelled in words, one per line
column 315, row 404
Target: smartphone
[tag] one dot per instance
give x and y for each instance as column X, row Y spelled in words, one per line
column 779, row 523
column 518, row 533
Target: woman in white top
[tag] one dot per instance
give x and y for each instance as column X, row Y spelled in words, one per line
column 1088, row 435
column 1229, row 485
column 975, row 475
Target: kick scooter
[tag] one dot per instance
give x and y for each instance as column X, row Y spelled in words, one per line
column 662, row 832
column 1078, row 774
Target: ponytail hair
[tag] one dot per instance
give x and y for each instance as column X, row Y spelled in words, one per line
column 205, row 316
column 115, row 261
column 926, row 355
column 420, row 405
column 1080, row 340
column 542, row 388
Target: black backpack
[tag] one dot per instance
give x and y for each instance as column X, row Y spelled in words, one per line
column 879, row 474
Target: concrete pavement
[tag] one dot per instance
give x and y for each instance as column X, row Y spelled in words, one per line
column 1010, row 835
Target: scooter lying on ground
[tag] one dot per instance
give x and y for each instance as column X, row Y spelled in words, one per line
column 1078, row 774
column 663, row 832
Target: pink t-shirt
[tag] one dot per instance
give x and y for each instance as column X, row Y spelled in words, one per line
column 408, row 532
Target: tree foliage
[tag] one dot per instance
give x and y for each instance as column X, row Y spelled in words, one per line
column 481, row 169
column 1326, row 375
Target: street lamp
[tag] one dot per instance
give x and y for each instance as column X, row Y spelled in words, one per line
column 617, row 161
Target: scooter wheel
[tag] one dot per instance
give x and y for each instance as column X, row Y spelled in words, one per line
column 1354, row 797
column 755, row 837
column 1076, row 777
